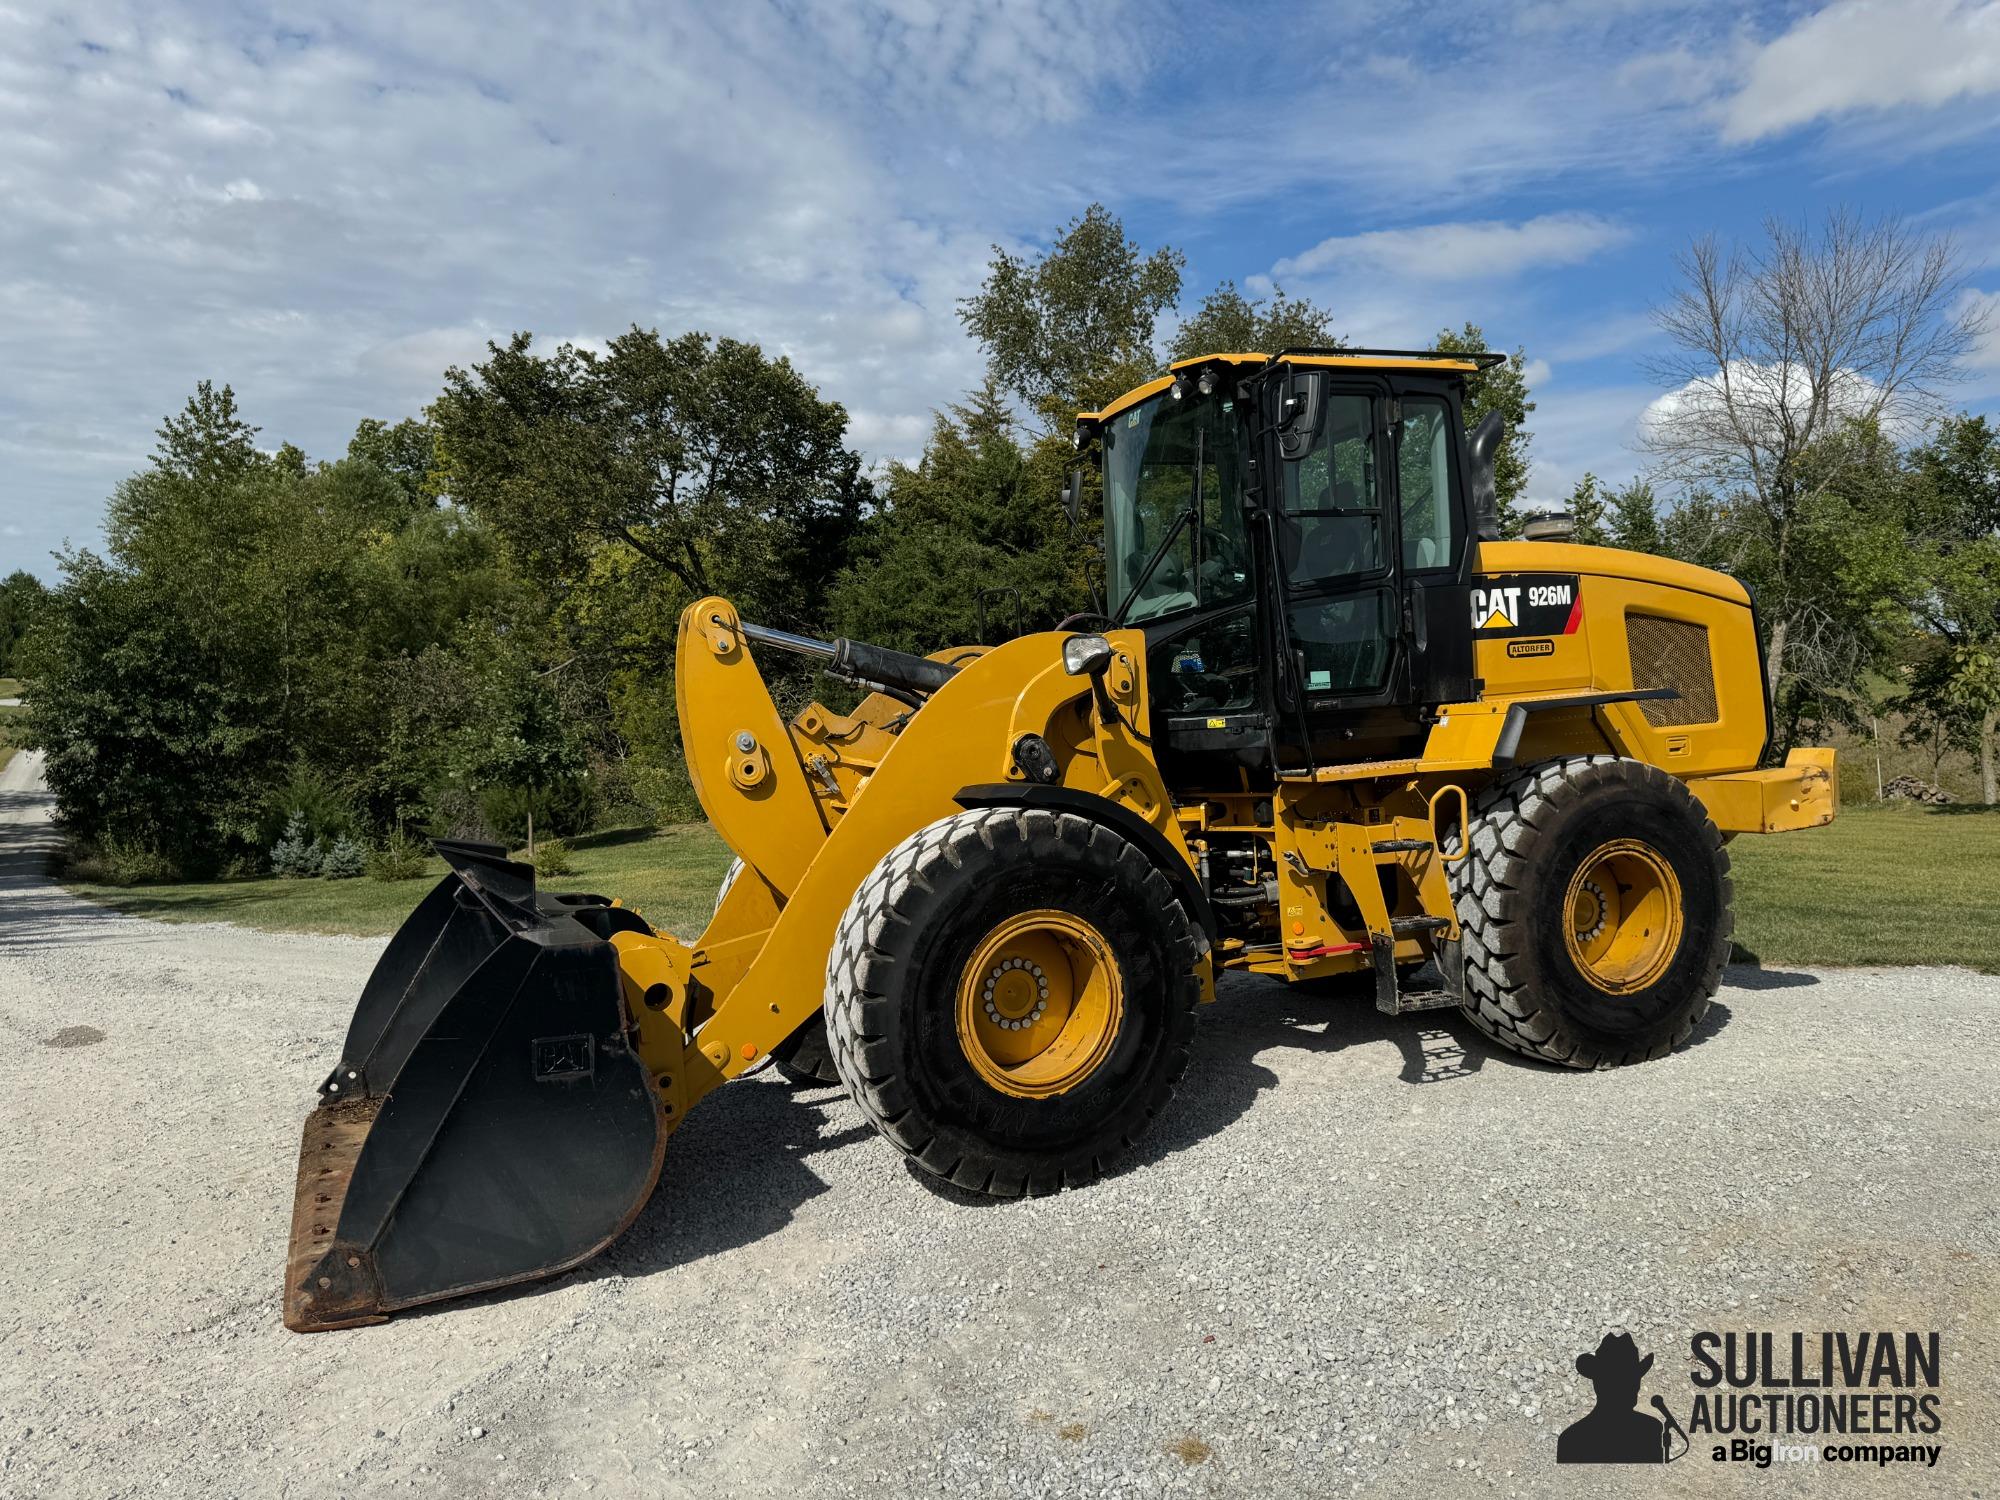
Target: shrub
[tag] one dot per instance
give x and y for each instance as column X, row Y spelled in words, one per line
column 621, row 794
column 344, row 859
column 400, row 858
column 560, row 808
column 118, row 861
column 667, row 790
column 454, row 814
column 297, row 855
column 552, row 858
column 309, row 796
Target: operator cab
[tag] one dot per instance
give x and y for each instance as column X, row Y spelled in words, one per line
column 1296, row 536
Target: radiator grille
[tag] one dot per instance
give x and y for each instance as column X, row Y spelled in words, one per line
column 1672, row 654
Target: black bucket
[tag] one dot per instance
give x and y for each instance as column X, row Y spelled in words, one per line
column 489, row 1121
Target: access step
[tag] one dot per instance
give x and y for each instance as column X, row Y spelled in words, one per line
column 1412, row 1000
column 1435, row 986
column 1413, row 926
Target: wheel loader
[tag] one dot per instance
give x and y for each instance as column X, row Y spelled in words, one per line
column 1330, row 724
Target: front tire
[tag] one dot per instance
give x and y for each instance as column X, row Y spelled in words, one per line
column 1595, row 909
column 1011, row 998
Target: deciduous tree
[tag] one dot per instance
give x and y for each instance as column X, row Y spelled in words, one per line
column 1069, row 329
column 1780, row 354
column 1227, row 322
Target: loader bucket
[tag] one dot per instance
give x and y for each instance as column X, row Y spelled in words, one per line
column 488, row 1122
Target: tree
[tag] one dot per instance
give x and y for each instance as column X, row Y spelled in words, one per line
column 406, row 451
column 963, row 546
column 1785, row 359
column 1073, row 327
column 720, row 468
column 22, row 596
column 1504, row 389
column 1227, row 322
column 236, row 640
column 1955, row 480
column 1634, row 518
column 1937, row 718
column 1588, row 513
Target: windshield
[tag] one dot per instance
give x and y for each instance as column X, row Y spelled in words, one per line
column 1160, row 459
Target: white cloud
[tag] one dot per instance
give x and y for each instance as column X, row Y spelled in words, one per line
column 1538, row 373
column 1583, row 431
column 327, row 211
column 1763, row 401
column 1866, row 55
column 1480, row 250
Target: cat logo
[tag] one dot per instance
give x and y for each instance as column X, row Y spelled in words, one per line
column 1495, row 609
column 1526, row 604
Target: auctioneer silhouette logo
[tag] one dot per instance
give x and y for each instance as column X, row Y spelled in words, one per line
column 1763, row 1397
column 1613, row 1431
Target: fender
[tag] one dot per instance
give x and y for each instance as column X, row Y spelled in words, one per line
column 1114, row 815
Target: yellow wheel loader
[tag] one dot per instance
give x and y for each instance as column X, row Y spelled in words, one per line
column 1331, row 724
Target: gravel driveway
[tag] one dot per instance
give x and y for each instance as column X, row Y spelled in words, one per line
column 1357, row 1255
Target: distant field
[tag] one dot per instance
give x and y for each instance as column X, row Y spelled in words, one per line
column 1881, row 886
column 671, row 876
column 10, row 687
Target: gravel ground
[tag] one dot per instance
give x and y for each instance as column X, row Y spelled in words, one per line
column 1358, row 1255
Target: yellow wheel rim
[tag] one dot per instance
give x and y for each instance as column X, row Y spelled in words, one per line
column 1622, row 916
column 1039, row 1004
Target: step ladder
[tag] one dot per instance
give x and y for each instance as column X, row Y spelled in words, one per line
column 1361, row 853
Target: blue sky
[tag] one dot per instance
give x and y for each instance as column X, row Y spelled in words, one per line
column 326, row 206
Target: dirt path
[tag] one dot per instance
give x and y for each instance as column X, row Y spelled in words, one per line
column 1356, row 1255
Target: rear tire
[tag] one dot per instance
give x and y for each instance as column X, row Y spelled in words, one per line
column 1000, row 1110
column 1595, row 909
column 806, row 1056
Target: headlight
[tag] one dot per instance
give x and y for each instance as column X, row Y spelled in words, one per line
column 1086, row 655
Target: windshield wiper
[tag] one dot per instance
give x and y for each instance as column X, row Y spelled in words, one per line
column 1181, row 522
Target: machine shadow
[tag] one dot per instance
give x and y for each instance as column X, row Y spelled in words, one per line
column 737, row 1170
column 741, row 1166
column 1747, row 972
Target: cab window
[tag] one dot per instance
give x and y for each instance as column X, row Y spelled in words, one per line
column 1171, row 478
column 1345, row 641
column 1427, row 484
column 1331, row 523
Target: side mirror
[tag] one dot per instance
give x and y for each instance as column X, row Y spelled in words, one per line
column 1300, row 401
column 1086, row 655
column 1482, row 452
column 1073, row 496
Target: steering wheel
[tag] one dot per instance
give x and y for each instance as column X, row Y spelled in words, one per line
column 1076, row 621
column 1223, row 548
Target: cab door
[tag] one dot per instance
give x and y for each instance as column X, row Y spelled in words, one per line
column 1337, row 606
column 1434, row 541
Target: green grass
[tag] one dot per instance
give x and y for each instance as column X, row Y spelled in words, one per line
column 1882, row 885
column 10, row 687
column 671, row 876
column 8, row 712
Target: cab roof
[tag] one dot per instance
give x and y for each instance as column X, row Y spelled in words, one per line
column 1416, row 360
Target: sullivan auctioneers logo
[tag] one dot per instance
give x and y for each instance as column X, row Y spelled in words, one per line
column 1764, row 1398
